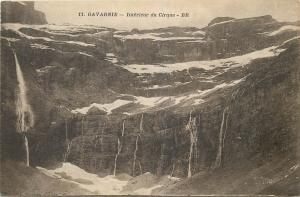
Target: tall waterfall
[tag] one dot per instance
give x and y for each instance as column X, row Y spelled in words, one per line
column 134, row 154
column 192, row 128
column 27, row 150
column 68, row 142
column 136, row 148
column 173, row 169
column 67, row 153
column 141, row 124
column 222, row 136
column 25, row 118
column 119, row 148
column 82, row 148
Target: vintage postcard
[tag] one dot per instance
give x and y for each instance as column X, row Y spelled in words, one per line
column 150, row 97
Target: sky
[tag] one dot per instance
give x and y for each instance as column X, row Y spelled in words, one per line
column 201, row 12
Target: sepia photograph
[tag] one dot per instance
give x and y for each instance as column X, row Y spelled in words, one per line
column 150, row 98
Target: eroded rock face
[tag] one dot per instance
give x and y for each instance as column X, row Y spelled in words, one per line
column 21, row 12
column 164, row 142
column 251, row 71
column 223, row 37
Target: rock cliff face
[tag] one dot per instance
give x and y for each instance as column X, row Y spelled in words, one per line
column 224, row 37
column 178, row 101
column 161, row 139
column 21, row 12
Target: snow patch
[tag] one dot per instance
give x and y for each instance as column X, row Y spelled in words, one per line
column 192, row 98
column 284, row 29
column 85, row 54
column 158, row 87
column 173, row 178
column 16, row 28
column 41, row 46
column 290, row 40
column 45, row 69
column 223, row 22
column 9, row 39
column 198, row 101
column 68, row 172
column 193, row 41
column 232, row 62
column 111, row 58
column 80, row 43
column 108, row 107
column 152, row 36
column 146, row 191
column 150, row 101
column 108, row 185
column 20, row 2
column 68, row 28
column 110, row 55
column 197, row 32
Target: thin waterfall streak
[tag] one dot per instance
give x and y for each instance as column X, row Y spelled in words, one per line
column 225, row 131
column 191, row 146
column 119, row 148
column 140, row 166
column 134, row 155
column 196, row 137
column 117, row 155
column 190, row 159
column 67, row 153
column 218, row 160
column 192, row 128
column 82, row 142
column 141, row 123
column 68, row 142
column 173, row 169
column 27, row 150
column 188, row 72
column 123, row 128
column 82, row 126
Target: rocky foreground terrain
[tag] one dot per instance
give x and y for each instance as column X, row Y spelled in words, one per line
column 218, row 107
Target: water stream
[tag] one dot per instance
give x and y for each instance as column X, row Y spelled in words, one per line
column 192, row 128
column 25, row 118
column 222, row 136
column 119, row 148
column 134, row 155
